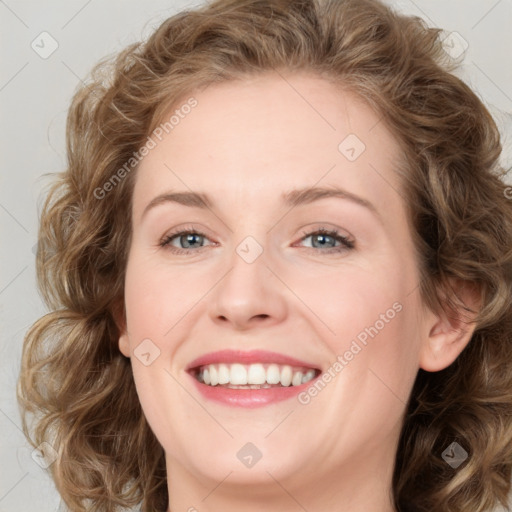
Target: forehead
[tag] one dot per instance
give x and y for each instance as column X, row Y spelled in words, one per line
column 263, row 135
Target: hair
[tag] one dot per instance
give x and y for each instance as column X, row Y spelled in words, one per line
column 76, row 387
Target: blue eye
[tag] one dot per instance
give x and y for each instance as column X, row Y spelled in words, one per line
column 188, row 238
column 327, row 239
column 191, row 240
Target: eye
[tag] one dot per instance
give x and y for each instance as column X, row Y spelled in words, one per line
column 326, row 240
column 188, row 240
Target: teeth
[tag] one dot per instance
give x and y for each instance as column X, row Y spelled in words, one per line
column 256, row 374
column 297, row 379
column 286, row 375
column 223, row 374
column 238, row 375
column 273, row 374
column 253, row 376
column 308, row 376
column 214, row 376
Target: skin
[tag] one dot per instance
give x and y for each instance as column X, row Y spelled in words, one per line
column 244, row 144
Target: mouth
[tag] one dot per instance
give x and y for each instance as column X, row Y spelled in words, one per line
column 253, row 376
column 250, row 379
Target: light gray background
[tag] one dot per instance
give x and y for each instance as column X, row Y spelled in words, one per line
column 34, row 97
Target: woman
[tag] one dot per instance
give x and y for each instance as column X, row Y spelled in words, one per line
column 279, row 270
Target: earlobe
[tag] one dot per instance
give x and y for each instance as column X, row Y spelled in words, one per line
column 123, row 341
column 449, row 333
column 124, row 344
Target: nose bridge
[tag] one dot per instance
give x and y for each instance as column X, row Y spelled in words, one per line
column 248, row 293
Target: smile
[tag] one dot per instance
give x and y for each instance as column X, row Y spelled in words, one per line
column 250, row 379
column 253, row 376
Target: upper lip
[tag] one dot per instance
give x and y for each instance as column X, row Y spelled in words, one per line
column 247, row 357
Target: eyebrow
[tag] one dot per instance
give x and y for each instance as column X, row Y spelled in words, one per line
column 292, row 198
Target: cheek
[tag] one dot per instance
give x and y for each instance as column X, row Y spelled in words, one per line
column 156, row 296
column 155, row 300
column 368, row 316
column 348, row 300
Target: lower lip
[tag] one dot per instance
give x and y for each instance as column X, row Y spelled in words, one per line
column 249, row 397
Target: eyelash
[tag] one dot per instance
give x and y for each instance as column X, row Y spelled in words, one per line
column 346, row 244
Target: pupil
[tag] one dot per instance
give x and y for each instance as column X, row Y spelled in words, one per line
column 322, row 239
column 189, row 239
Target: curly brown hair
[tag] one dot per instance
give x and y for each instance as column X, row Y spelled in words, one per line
column 77, row 386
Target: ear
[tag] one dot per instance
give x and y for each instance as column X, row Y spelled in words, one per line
column 448, row 333
column 120, row 320
column 124, row 344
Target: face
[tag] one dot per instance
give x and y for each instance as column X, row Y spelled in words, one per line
column 284, row 280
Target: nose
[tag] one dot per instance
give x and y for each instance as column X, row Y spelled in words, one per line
column 249, row 295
